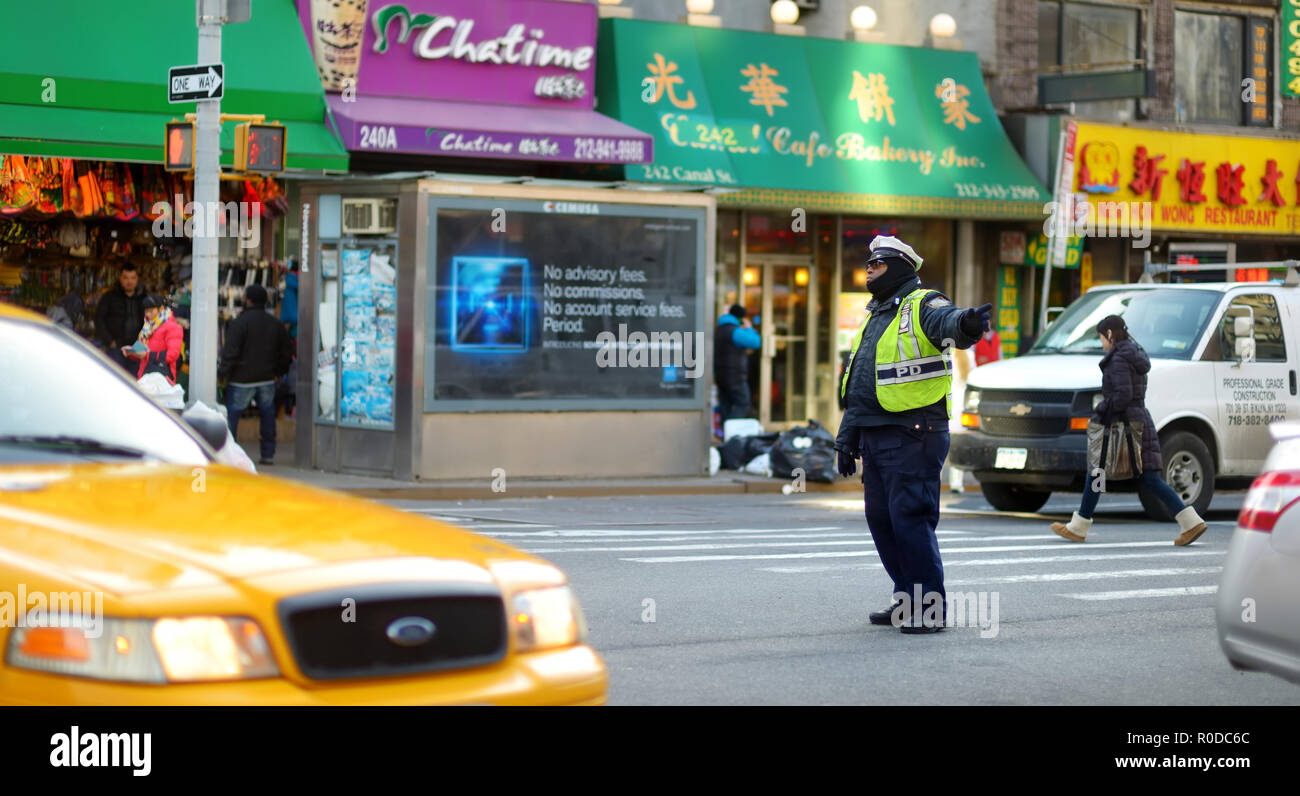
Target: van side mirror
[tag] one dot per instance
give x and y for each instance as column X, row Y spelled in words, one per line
column 1243, row 328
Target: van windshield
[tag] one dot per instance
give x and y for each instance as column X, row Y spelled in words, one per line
column 1167, row 323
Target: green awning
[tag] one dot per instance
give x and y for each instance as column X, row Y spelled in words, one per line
column 817, row 123
column 94, row 86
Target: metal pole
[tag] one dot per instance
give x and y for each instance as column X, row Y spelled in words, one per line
column 1060, row 229
column 207, row 178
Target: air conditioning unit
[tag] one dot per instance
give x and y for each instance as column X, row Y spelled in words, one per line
column 369, row 216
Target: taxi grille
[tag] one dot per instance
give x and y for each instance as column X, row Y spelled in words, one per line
column 468, row 629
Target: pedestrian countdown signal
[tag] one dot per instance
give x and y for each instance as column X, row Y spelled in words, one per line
column 259, row 148
column 178, row 147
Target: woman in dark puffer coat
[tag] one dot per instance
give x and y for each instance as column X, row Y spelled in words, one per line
column 1124, row 390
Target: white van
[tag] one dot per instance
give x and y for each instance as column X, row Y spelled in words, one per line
column 1224, row 358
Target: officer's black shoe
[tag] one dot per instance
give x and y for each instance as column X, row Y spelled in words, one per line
column 918, row 625
column 885, row 617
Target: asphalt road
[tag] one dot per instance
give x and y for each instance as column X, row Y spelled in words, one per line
column 763, row 599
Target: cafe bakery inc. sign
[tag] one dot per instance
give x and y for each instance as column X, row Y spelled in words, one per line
column 521, row 52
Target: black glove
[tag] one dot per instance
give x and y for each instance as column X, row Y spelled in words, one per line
column 845, row 462
column 975, row 321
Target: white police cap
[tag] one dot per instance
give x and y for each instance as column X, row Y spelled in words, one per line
column 883, row 245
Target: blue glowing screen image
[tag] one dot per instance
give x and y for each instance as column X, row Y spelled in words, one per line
column 489, row 309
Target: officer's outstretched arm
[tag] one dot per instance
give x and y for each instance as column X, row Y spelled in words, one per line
column 941, row 320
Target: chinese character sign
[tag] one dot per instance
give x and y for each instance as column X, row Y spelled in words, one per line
column 1205, row 183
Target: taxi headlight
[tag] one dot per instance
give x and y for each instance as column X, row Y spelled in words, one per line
column 972, row 402
column 145, row 650
column 546, row 618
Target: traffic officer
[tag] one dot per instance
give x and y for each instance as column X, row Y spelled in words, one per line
column 897, row 396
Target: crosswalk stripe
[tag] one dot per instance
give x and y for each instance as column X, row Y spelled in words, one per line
column 586, row 533
column 864, row 553
column 1050, row 577
column 1137, row 594
column 700, row 544
column 801, row 569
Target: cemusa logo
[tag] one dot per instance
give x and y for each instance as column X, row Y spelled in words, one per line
column 574, row 208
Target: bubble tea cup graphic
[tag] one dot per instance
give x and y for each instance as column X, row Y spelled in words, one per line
column 336, row 30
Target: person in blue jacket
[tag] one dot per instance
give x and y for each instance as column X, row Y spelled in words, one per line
column 734, row 338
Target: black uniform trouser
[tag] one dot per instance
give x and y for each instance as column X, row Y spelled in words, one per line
column 900, row 480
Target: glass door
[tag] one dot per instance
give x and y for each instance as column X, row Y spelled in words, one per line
column 784, row 319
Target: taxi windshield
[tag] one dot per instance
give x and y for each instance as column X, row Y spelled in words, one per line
column 1167, row 323
column 60, row 401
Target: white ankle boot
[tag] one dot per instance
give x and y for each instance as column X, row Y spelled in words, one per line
column 1076, row 530
column 1191, row 525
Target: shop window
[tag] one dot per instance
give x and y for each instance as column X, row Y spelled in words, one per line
column 931, row 238
column 356, row 356
column 1211, row 53
column 1085, row 36
column 1270, row 342
column 727, row 271
column 776, row 233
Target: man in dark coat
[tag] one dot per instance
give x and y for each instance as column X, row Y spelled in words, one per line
column 258, row 350
column 119, row 316
column 734, row 338
column 896, row 395
column 1124, row 371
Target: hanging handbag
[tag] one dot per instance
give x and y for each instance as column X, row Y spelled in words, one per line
column 1122, row 450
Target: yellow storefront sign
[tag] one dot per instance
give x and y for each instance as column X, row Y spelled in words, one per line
column 1194, row 182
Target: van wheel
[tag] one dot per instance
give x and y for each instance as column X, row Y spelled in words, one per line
column 1189, row 471
column 1006, row 497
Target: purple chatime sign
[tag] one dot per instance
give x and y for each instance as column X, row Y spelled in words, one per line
column 535, row 53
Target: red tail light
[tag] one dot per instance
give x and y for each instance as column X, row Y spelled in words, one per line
column 1268, row 499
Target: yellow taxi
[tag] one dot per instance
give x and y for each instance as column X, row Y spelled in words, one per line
column 135, row 570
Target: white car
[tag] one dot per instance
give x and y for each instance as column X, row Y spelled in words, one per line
column 1259, row 593
column 1224, row 360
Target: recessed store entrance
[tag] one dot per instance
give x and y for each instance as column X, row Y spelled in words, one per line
column 782, row 306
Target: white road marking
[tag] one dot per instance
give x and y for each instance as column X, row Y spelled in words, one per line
column 584, row 534
column 1137, row 594
column 799, row 569
column 864, row 553
column 1062, row 576
column 699, row 544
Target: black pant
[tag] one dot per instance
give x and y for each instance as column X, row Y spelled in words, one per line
column 733, row 401
column 900, row 480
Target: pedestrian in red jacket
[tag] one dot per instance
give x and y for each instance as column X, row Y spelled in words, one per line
column 988, row 348
column 159, row 345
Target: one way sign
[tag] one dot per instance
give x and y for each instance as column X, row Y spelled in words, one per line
column 200, row 82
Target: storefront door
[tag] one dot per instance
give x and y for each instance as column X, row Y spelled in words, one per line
column 782, row 307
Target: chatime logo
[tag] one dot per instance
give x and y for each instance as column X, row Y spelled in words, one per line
column 448, row 37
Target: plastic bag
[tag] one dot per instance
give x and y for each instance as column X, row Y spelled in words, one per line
column 230, row 454
column 808, row 448
column 735, row 452
column 163, row 392
column 1116, row 449
column 759, row 465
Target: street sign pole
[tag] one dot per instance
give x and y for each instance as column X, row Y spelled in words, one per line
column 207, row 178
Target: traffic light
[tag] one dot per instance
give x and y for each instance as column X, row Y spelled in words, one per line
column 259, row 148
column 178, row 147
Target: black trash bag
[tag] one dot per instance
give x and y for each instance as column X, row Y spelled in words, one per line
column 737, row 451
column 810, row 448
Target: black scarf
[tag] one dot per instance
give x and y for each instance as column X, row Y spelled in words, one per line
column 898, row 273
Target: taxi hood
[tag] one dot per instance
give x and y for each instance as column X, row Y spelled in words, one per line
column 143, row 527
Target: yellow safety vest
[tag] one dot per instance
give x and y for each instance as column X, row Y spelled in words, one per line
column 910, row 372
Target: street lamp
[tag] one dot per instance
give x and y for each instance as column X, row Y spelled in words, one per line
column 611, row 8
column 942, row 30
column 862, row 20
column 784, row 16
column 698, row 13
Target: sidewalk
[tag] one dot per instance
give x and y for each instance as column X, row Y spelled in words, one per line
column 726, row 482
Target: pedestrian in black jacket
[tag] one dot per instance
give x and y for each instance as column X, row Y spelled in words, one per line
column 258, row 350
column 1124, row 372
column 119, row 316
column 896, row 394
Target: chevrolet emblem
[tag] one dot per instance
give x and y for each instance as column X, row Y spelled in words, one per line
column 1020, row 410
